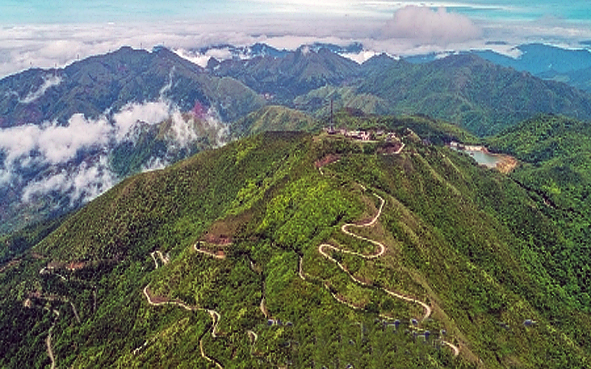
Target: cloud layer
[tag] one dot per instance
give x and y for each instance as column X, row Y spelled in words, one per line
column 73, row 159
column 412, row 29
column 425, row 26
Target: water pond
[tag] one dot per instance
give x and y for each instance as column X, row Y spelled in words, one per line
column 482, row 157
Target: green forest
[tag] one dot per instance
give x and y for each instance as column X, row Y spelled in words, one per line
column 216, row 261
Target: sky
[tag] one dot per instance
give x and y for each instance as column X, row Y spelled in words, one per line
column 54, row 33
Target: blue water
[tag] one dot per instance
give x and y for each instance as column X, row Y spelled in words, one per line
column 482, row 158
column 84, row 11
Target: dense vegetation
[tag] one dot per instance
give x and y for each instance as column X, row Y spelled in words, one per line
column 273, row 118
column 470, row 242
column 556, row 171
column 463, row 89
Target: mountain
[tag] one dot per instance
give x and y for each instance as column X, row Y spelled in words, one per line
column 243, row 52
column 69, row 134
column 223, row 260
column 465, row 89
column 282, row 79
column 108, row 82
column 264, row 50
column 555, row 152
column 476, row 94
column 274, row 118
column 570, row 66
column 539, row 58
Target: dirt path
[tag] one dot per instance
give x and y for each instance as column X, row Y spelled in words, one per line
column 454, row 348
column 215, row 317
column 379, row 253
column 203, row 355
column 48, row 340
column 209, row 253
column 263, row 308
column 162, row 303
column 75, row 312
column 154, row 258
column 399, row 150
column 164, row 259
column 382, row 250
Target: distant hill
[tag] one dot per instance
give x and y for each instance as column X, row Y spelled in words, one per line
column 479, row 95
column 282, row 79
column 108, row 82
column 465, row 89
column 539, row 58
column 548, row 62
column 274, row 118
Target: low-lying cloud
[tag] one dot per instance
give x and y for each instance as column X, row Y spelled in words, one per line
column 83, row 183
column 53, row 143
column 73, row 159
column 48, row 82
column 426, row 26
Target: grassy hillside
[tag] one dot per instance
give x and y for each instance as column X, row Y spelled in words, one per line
column 224, row 241
column 273, row 118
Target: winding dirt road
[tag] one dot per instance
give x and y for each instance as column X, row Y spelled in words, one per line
column 155, row 261
column 215, row 316
column 381, row 250
column 48, row 340
column 164, row 259
column 454, row 348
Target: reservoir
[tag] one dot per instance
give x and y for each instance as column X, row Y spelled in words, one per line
column 481, row 156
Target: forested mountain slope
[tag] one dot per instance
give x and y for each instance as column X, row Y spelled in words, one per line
column 222, row 261
column 480, row 96
column 556, row 156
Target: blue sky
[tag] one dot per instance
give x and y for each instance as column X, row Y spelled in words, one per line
column 83, row 11
column 47, row 33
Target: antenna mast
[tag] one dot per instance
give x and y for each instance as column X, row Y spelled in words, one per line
column 331, row 117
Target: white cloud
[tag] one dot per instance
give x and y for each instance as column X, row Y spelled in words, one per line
column 82, row 183
column 369, row 22
column 5, row 177
column 56, row 143
column 202, row 59
column 48, row 82
column 425, row 26
column 155, row 164
column 52, row 148
column 150, row 113
column 182, row 130
column 361, row 57
column 57, row 182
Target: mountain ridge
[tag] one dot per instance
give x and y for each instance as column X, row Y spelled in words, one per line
column 445, row 223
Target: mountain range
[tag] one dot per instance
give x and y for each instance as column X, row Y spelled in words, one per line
column 155, row 213
column 571, row 66
column 133, row 110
